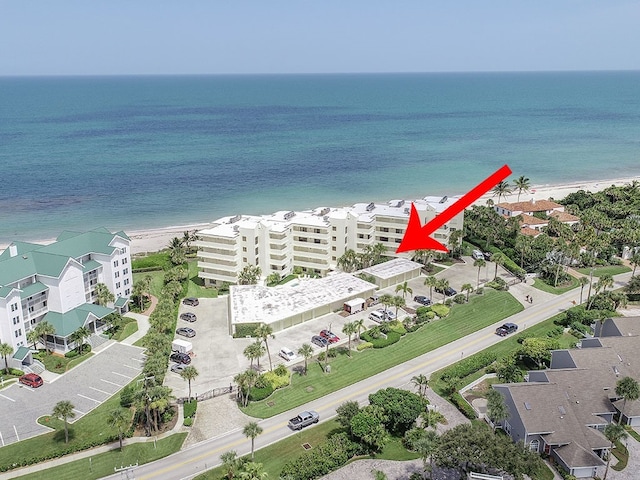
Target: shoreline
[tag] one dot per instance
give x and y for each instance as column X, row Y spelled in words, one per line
column 156, row 239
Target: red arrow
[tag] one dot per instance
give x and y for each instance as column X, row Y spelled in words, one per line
column 416, row 237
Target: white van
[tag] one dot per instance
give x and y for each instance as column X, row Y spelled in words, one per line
column 377, row 316
column 287, row 354
column 477, row 255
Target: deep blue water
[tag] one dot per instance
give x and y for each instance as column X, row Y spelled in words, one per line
column 142, row 152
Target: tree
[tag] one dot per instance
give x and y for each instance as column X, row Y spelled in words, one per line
column 606, row 281
column 398, row 302
column 176, row 251
column 359, row 326
column 120, row 419
column 425, row 446
column 431, row 282
column 368, row 426
column 386, row 300
column 423, row 256
column 614, row 434
column 231, row 464
column 539, row 349
column 273, row 279
column 189, row 373
column 634, row 261
column 254, row 351
column 252, row 430
column 349, row 261
column 5, row 351
column 252, row 471
column 583, row 281
column 422, row 383
column 103, row 295
column 306, row 352
column 346, row 411
column 187, row 238
column 33, row 336
column 349, row 328
column 502, row 189
column 524, row 244
column 496, row 408
column 498, row 258
column 79, row 336
column 633, row 286
column 443, row 284
column 467, row 287
column 479, row 263
column 507, row 370
column 45, row 329
column 64, row 411
column 264, row 332
column 521, row 184
column 404, row 288
column 627, row 388
column 401, row 408
column 249, row 275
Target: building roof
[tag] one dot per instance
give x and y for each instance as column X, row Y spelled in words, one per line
column 67, row 323
column 391, row 268
column 21, row 353
column 33, row 289
column 564, row 217
column 530, row 206
column 121, row 302
column 90, row 265
column 576, row 456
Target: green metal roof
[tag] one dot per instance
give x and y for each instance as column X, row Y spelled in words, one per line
column 67, row 323
column 33, row 289
column 121, row 302
column 5, row 291
column 21, row 353
column 21, row 247
column 90, row 265
column 76, row 244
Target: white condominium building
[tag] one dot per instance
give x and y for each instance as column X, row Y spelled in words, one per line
column 313, row 240
column 56, row 283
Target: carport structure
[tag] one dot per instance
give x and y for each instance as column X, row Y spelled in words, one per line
column 393, row 272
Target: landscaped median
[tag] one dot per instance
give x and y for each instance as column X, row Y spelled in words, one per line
column 480, row 312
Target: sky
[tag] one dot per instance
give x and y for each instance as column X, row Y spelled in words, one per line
column 124, row 37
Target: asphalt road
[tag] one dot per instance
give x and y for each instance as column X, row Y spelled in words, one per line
column 206, row 455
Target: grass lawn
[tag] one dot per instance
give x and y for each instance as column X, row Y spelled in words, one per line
column 481, row 311
column 129, row 329
column 610, row 270
column 58, row 364
column 102, row 464
column 545, row 287
column 157, row 277
column 195, row 285
column 622, row 454
column 394, row 450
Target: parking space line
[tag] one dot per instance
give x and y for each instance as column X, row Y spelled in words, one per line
column 3, row 396
column 141, row 360
column 2, row 439
column 80, row 412
column 16, row 430
column 89, row 398
column 137, row 369
column 112, row 383
column 101, row 391
column 122, row 375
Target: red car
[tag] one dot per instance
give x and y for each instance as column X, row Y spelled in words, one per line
column 329, row 335
column 31, row 380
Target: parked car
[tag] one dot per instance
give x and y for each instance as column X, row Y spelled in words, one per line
column 477, row 255
column 329, row 335
column 186, row 332
column 390, row 315
column 422, row 300
column 31, row 380
column 374, row 300
column 180, row 357
column 188, row 317
column 178, row 367
column 287, row 354
column 194, row 302
column 303, row 420
column 319, row 341
column 377, row 316
column 449, row 292
column 506, row 329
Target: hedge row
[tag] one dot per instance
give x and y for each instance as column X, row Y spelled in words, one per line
column 189, row 408
column 381, row 342
column 469, row 365
column 462, row 405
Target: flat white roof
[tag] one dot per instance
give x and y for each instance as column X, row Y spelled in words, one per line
column 258, row 304
column 392, row 268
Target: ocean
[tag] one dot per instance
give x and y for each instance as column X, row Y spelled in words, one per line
column 145, row 152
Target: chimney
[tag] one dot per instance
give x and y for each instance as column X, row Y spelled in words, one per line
column 13, row 250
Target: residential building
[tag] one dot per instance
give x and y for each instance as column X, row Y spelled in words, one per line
column 56, row 283
column 311, row 240
column 530, row 224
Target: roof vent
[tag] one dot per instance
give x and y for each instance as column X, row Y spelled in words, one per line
column 527, row 405
column 444, row 199
column 13, row 250
column 236, row 228
column 370, row 207
column 616, row 371
column 235, row 219
column 562, row 410
column 407, row 210
column 619, row 358
column 289, row 215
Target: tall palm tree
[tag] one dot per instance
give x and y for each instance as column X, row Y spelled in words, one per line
column 45, row 329
column 479, row 263
column 79, row 336
column 103, row 295
column 306, row 352
column 33, row 336
column 431, row 282
column 189, row 373
column 231, row 463
column 498, row 258
column 606, row 280
column 64, row 411
column 583, row 281
column 627, row 388
column 522, row 184
column 404, row 288
column 634, row 261
column 443, row 284
column 252, row 430
column 502, row 189
column 426, row 446
column 120, row 419
column 5, row 351
column 524, row 243
column 467, row 287
column 264, row 332
column 254, row 351
column 398, row 302
column 423, row 256
column 386, row 300
column 349, row 328
column 359, row 326
column 614, row 434
column 421, row 382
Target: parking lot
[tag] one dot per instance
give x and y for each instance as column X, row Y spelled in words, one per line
column 85, row 386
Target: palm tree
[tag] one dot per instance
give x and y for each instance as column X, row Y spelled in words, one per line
column 423, row 256
column 498, row 258
column 359, row 326
column 119, row 419
column 231, row 463
column 33, row 336
column 79, row 337
column 398, row 302
column 5, row 351
column 249, row 275
column 633, row 286
column 524, row 243
column 252, row 430
column 634, row 261
column 253, row 471
column 64, row 410
column 306, row 352
column 496, row 408
column 264, row 332
column 386, row 300
column 273, row 279
column 627, row 388
column 606, row 280
column 443, row 284
column 614, row 434
column 45, row 329
column 479, row 263
column 583, row 281
column 426, row 446
column 421, row 382
column 431, row 282
column 254, row 351
column 103, row 295
column 404, row 288
column 189, row 373
column 502, row 189
column 350, row 329
column 467, row 287
column 522, row 184
column 176, row 251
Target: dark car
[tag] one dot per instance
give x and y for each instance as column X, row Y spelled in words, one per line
column 422, row 300
column 188, row 317
column 449, row 292
column 506, row 329
column 31, row 380
column 329, row 335
column 179, row 357
column 319, row 341
column 191, row 301
column 186, row 332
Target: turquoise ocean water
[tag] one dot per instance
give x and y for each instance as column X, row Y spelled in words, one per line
column 144, row 152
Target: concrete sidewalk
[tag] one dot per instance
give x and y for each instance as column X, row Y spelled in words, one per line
column 143, row 328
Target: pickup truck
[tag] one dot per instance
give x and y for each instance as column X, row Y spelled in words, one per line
column 303, row 420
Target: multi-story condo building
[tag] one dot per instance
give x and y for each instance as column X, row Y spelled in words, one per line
column 57, row 282
column 312, row 240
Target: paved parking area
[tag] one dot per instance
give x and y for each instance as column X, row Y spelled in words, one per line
column 85, row 386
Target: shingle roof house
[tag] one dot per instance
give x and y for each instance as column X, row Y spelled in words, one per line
column 56, row 283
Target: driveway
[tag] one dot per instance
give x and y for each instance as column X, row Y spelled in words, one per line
column 85, row 386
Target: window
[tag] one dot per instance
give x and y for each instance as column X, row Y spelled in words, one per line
column 117, row 284
column 124, row 249
column 125, row 271
column 31, row 309
column 256, row 250
column 124, row 261
column 255, row 241
column 14, row 307
column 333, row 249
column 16, row 320
column 333, row 228
column 333, row 239
column 244, row 249
column 244, row 239
column 126, row 281
column 127, row 292
column 115, row 263
column 117, row 274
column 398, row 230
column 316, row 240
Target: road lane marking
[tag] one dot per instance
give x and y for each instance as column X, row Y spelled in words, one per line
column 10, row 399
column 122, row 375
column 16, row 430
column 101, row 391
column 112, row 383
column 89, row 398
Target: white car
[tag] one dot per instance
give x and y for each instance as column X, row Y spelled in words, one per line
column 287, row 354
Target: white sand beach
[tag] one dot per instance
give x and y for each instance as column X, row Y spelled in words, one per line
column 153, row 240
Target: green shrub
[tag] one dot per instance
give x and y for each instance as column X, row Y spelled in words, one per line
column 260, row 393
column 16, row 372
column 127, row 395
column 460, row 298
column 189, row 408
column 155, row 261
column 245, row 330
column 440, row 310
column 188, row 422
column 281, row 370
column 398, row 327
column 462, row 405
column 498, row 283
column 381, row 341
column 277, row 381
column 469, row 365
column 364, row 346
column 333, row 352
column 479, row 291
